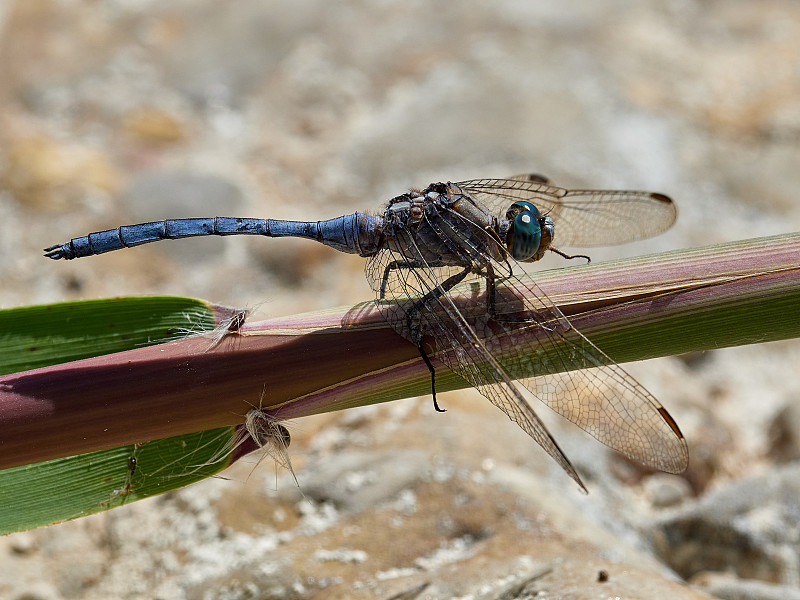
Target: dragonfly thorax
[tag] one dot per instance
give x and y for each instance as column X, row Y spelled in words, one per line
column 441, row 226
column 529, row 233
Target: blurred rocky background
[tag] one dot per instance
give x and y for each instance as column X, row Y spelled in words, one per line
column 122, row 111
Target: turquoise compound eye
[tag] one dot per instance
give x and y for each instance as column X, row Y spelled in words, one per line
column 525, row 234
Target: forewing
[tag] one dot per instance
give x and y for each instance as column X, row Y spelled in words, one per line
column 407, row 291
column 530, row 336
column 580, row 382
column 582, row 218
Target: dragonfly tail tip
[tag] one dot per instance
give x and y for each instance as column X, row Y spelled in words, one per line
column 56, row 252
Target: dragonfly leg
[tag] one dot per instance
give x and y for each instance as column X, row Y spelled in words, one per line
column 428, row 363
column 412, row 321
column 570, row 256
column 491, row 292
column 491, row 304
column 416, row 337
column 395, row 264
column 519, row 319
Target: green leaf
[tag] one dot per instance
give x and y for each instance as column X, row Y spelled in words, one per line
column 64, row 488
column 48, row 334
column 76, row 486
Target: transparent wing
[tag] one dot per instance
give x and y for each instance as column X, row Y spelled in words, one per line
column 405, row 297
column 589, row 389
column 582, row 218
column 529, row 336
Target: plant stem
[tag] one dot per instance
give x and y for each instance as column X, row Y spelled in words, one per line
column 688, row 300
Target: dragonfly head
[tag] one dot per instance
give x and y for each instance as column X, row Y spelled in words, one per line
column 530, row 234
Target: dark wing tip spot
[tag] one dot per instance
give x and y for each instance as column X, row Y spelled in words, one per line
column 661, row 198
column 670, row 421
column 536, row 178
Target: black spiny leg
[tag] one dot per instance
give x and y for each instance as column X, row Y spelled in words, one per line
column 491, row 303
column 433, row 377
column 395, row 265
column 416, row 334
column 491, row 292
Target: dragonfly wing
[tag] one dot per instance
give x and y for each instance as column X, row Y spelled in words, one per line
column 580, row 382
column 406, row 290
column 582, row 217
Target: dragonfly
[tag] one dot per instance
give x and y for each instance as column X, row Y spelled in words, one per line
column 429, row 243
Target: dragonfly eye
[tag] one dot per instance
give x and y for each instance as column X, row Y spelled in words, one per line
column 525, row 233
